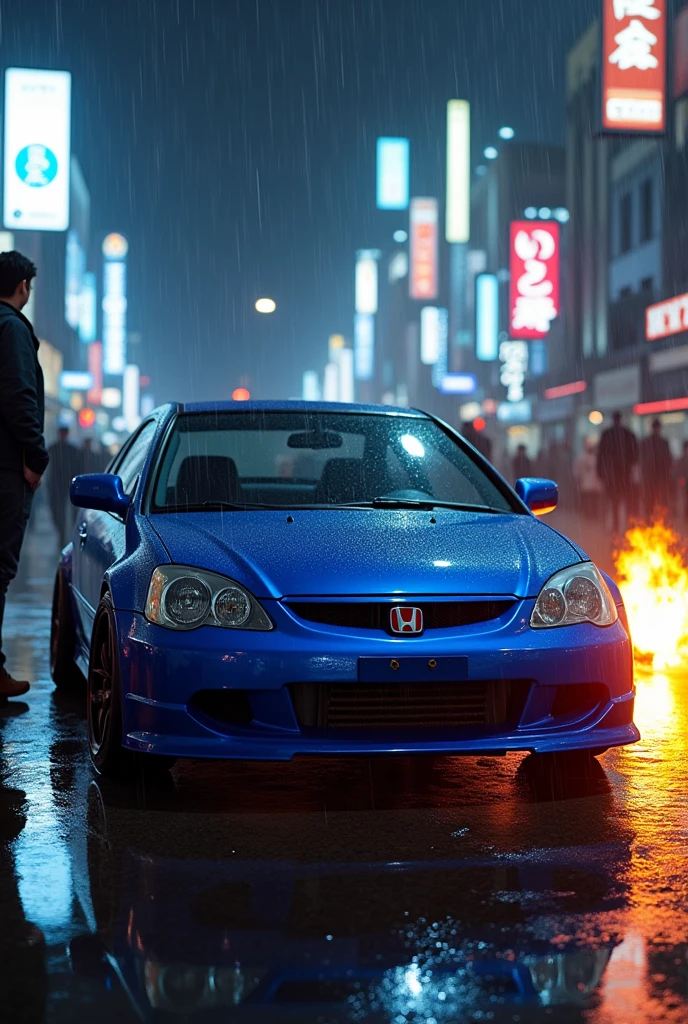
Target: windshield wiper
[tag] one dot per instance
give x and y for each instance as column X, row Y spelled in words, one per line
column 419, row 503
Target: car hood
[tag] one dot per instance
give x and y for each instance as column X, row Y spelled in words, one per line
column 369, row 552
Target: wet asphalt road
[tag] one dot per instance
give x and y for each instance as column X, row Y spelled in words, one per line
column 350, row 890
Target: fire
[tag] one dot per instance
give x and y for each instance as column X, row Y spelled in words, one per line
column 653, row 578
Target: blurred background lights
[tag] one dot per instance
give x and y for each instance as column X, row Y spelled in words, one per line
column 506, row 133
column 400, row 236
column 544, row 212
column 595, row 418
column 530, row 213
column 266, row 306
column 241, row 394
column 490, row 153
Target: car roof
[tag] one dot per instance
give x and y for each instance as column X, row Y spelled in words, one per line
column 298, row 406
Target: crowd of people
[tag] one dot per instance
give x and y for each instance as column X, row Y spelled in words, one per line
column 628, row 477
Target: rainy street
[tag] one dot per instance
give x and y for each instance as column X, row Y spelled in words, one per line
column 341, row 890
column 344, row 511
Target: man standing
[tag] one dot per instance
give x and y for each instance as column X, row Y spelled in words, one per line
column 64, row 464
column 23, row 457
column 656, row 471
column 616, row 457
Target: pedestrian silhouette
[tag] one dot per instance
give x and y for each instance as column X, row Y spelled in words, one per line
column 616, row 457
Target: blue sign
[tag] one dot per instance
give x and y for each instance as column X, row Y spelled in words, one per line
column 487, row 318
column 36, row 165
column 458, row 384
column 88, row 309
column 392, row 174
column 515, row 412
column 364, row 346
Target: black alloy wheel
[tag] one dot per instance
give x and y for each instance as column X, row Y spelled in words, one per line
column 104, row 709
column 63, row 669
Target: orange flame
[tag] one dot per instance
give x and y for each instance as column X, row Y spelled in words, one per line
column 653, row 578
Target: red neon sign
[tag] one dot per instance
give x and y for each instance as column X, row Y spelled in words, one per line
column 95, row 366
column 423, row 278
column 534, row 291
column 634, row 66
column 575, row 388
column 654, row 408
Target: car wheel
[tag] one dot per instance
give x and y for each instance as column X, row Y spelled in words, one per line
column 63, row 669
column 104, row 709
column 571, row 763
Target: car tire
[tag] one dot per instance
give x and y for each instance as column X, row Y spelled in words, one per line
column 104, row 709
column 570, row 763
column 63, row 668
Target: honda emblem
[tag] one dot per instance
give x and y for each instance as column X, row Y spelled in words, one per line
column 406, row 620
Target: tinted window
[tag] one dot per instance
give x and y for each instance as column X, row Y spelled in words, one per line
column 292, row 459
column 132, row 462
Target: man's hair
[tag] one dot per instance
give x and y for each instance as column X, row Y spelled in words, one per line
column 656, row 424
column 617, row 417
column 14, row 268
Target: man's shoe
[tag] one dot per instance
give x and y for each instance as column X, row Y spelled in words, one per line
column 10, row 687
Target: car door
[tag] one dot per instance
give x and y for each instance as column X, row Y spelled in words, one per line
column 100, row 537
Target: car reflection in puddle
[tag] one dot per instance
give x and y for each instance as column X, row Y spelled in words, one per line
column 188, row 929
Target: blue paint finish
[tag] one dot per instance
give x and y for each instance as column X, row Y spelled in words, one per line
column 389, row 555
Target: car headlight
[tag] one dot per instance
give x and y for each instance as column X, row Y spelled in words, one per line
column 576, row 594
column 181, row 597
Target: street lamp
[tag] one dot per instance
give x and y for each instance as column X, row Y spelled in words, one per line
column 266, row 305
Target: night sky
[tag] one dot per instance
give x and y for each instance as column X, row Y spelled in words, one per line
column 233, row 141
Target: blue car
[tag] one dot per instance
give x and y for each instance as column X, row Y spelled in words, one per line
column 274, row 579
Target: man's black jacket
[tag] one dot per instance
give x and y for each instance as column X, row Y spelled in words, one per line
column 22, row 401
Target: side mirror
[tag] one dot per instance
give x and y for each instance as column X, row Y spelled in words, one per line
column 100, row 491
column 541, row 496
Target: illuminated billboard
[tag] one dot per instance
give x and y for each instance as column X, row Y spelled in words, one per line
column 88, row 309
column 364, row 346
column 634, row 66
column 75, row 265
column 487, row 317
column 310, row 386
column 131, row 396
column 115, row 249
column 37, row 149
column 95, row 368
column 366, row 282
column 423, row 277
column 534, row 289
column 392, row 174
column 429, row 335
column 458, row 171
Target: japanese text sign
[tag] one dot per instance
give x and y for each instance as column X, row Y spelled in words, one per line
column 634, row 65
column 534, row 293
column 423, row 279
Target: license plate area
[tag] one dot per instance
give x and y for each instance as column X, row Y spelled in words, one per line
column 412, row 670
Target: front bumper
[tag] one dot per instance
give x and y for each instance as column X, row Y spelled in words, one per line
column 163, row 670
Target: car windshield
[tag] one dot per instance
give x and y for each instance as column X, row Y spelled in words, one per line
column 219, row 461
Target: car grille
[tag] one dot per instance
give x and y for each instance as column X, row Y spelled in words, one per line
column 438, row 706
column 375, row 614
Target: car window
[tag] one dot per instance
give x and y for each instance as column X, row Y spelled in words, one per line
column 288, row 459
column 129, row 469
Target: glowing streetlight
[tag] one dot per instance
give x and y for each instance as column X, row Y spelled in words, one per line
column 266, row 306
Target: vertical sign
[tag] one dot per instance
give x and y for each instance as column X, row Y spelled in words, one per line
column 681, row 54
column 423, row 279
column 392, row 174
column 331, row 383
column 345, row 375
column 95, row 368
column 534, row 290
column 364, row 346
column 75, row 266
column 634, row 66
column 439, row 370
column 366, row 281
column 115, row 249
column 429, row 335
column 88, row 309
column 458, row 171
column 487, row 317
column 131, row 392
column 310, row 386
column 37, row 149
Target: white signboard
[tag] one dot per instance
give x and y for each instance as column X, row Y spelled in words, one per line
column 37, row 149
column 115, row 248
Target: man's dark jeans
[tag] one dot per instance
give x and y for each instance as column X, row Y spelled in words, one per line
column 15, row 507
